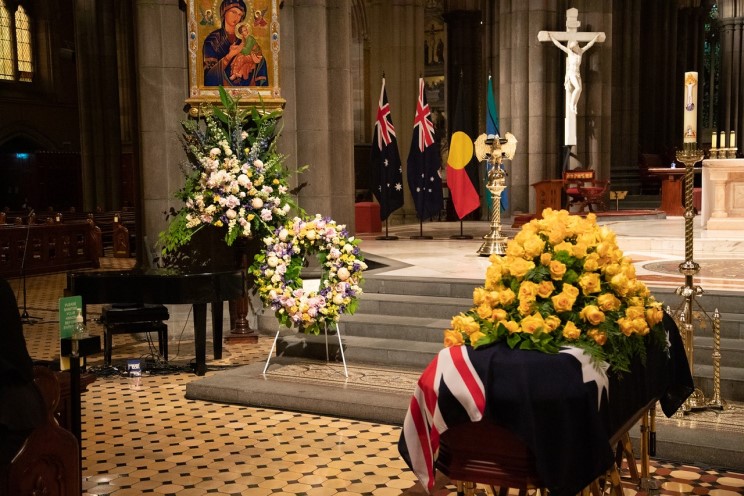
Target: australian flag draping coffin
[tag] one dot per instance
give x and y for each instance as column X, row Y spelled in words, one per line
column 559, row 406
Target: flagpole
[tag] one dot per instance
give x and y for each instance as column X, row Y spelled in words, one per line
column 461, row 235
column 387, row 236
column 421, row 232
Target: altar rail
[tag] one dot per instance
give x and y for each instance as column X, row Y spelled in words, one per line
column 52, row 247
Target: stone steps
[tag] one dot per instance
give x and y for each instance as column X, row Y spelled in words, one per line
column 400, row 323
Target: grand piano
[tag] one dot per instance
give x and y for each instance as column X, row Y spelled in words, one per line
column 206, row 271
column 166, row 286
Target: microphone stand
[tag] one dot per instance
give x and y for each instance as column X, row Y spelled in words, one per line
column 25, row 317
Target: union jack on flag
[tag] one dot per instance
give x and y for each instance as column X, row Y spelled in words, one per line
column 386, row 180
column 424, row 162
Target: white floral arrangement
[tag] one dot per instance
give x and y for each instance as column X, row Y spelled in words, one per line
column 235, row 177
column 278, row 269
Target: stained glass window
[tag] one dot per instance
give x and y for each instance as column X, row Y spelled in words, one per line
column 23, row 46
column 16, row 47
column 6, row 52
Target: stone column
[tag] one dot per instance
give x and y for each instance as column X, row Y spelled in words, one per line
column 162, row 83
column 322, row 107
column 100, row 142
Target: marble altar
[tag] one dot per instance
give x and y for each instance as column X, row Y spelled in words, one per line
column 723, row 194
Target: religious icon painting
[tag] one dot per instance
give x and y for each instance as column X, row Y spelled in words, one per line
column 234, row 44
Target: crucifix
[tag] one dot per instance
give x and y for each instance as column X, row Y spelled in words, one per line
column 574, row 50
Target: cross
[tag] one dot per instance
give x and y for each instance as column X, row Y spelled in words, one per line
column 574, row 51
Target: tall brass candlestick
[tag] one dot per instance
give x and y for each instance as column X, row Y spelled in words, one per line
column 689, row 156
column 494, row 242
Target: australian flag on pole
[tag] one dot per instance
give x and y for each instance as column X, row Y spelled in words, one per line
column 424, row 162
column 387, row 174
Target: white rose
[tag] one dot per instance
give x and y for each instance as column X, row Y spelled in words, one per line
column 257, row 203
column 286, row 208
column 338, row 299
column 283, row 235
column 343, row 273
column 215, row 151
column 348, row 248
column 258, row 163
column 272, row 261
column 231, row 214
column 310, row 234
column 243, row 180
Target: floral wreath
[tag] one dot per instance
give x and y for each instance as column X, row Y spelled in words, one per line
column 277, row 273
column 563, row 282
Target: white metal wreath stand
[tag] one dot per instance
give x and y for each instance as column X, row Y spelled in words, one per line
column 340, row 347
column 313, row 285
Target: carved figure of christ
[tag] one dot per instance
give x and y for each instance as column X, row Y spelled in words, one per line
column 574, row 50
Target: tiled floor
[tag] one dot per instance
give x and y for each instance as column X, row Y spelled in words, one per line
column 142, row 436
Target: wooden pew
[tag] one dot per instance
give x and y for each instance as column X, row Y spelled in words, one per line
column 49, row 461
column 51, row 247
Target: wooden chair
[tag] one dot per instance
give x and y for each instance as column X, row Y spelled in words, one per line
column 49, row 461
column 584, row 190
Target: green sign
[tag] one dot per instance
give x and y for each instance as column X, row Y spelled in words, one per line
column 68, row 308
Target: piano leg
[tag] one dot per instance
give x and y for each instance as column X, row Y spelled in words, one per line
column 217, row 313
column 200, row 337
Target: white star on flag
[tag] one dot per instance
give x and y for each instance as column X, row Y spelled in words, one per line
column 591, row 371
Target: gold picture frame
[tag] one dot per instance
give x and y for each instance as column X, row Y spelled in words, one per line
column 215, row 30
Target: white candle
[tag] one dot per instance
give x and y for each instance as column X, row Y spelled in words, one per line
column 723, row 140
column 690, row 112
column 713, row 140
column 732, row 141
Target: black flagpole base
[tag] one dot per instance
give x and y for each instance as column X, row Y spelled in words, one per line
column 422, row 236
column 387, row 238
column 461, row 236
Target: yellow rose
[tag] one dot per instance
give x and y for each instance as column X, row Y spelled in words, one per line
column 636, row 312
column 620, row 284
column 533, row 246
column 598, row 336
column 563, row 302
column 479, row 295
column 557, row 270
column 545, row 289
column 518, row 267
column 635, row 301
column 580, row 249
column 592, row 314
column 512, row 326
column 514, row 249
column 641, row 326
column 608, row 302
column 570, row 290
column 654, row 315
column 591, row 262
column 533, row 323
column 499, row 314
column 590, row 283
column 626, row 326
column 465, row 323
column 570, row 331
column 484, row 311
column 527, row 291
column 475, row 337
column 556, row 235
column 506, row 297
column 564, row 246
column 552, row 322
column 545, row 258
column 452, row 338
column 525, row 307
